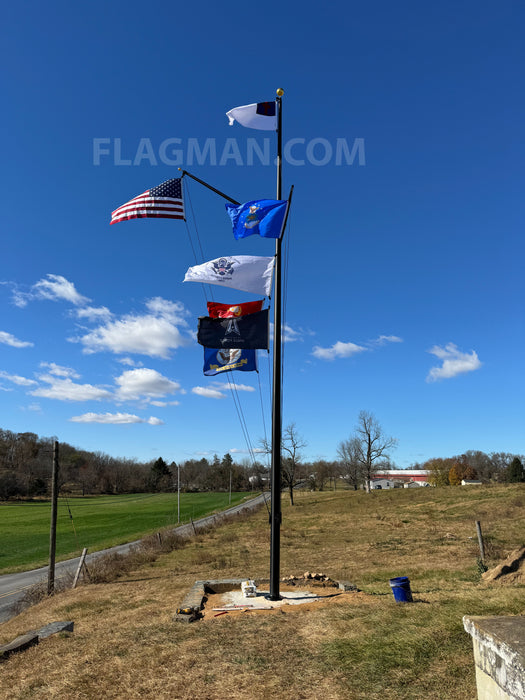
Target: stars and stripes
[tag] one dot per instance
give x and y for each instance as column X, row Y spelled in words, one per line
column 162, row 202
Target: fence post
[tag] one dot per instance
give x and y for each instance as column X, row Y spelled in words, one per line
column 480, row 541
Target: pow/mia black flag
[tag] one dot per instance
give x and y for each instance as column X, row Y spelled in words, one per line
column 248, row 332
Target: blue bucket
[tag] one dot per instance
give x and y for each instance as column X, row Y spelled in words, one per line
column 401, row 589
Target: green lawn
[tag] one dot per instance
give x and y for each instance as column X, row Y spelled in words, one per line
column 94, row 522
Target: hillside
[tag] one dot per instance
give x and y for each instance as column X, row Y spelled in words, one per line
column 126, row 645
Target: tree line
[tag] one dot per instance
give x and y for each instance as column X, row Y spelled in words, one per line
column 26, row 463
column 26, row 459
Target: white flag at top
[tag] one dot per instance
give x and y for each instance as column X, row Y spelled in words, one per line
column 249, row 273
column 261, row 115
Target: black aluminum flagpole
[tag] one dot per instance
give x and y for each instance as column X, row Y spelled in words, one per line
column 275, row 517
column 213, row 189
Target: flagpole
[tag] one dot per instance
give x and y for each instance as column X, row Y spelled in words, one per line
column 275, row 517
column 213, row 189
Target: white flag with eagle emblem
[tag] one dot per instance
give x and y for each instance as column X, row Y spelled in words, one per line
column 249, row 273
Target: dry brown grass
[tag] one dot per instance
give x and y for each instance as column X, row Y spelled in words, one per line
column 365, row 647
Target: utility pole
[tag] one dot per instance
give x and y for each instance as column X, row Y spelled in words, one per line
column 53, row 528
column 178, row 492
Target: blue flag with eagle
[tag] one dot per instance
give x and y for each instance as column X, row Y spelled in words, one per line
column 262, row 216
column 228, row 359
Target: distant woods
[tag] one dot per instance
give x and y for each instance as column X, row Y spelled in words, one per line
column 26, row 461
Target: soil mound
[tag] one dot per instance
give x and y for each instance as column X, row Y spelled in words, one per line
column 512, row 570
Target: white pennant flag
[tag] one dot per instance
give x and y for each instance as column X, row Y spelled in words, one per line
column 261, row 115
column 249, row 273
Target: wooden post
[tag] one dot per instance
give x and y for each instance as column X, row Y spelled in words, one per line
column 480, row 541
column 53, row 528
column 178, row 494
column 80, row 565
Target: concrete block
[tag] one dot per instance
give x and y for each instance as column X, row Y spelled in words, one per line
column 346, row 586
column 499, row 656
column 54, row 628
column 19, row 644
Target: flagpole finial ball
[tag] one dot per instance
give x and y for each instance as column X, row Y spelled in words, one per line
column 280, row 92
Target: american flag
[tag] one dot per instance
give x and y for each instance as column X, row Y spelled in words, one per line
column 162, row 202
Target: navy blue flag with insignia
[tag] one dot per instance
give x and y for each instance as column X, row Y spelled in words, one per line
column 262, row 216
column 248, row 332
column 228, row 359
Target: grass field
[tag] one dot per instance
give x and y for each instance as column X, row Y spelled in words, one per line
column 362, row 646
column 93, row 522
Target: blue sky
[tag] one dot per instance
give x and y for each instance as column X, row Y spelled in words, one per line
column 403, row 133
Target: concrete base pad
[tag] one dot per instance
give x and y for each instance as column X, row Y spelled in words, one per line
column 262, row 600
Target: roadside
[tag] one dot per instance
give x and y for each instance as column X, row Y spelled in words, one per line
column 13, row 586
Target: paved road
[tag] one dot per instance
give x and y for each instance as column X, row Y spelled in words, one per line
column 13, row 586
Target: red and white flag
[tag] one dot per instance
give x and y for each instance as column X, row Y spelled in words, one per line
column 162, row 202
column 216, row 310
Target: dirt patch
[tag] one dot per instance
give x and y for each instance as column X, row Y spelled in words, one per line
column 512, row 570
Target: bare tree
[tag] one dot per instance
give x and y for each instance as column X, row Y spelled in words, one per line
column 373, row 443
column 351, row 468
column 291, row 445
column 322, row 473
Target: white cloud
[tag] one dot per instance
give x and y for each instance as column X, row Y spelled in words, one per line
column 163, row 404
column 16, row 379
column 454, row 362
column 66, row 390
column 339, row 349
column 219, row 390
column 92, row 313
column 289, row 334
column 132, row 385
column 21, row 299
column 58, row 371
column 225, row 386
column 129, row 362
column 163, row 307
column 237, row 450
column 9, row 339
column 145, row 383
column 56, row 287
column 387, row 339
column 208, row 392
column 114, row 419
column 154, row 334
